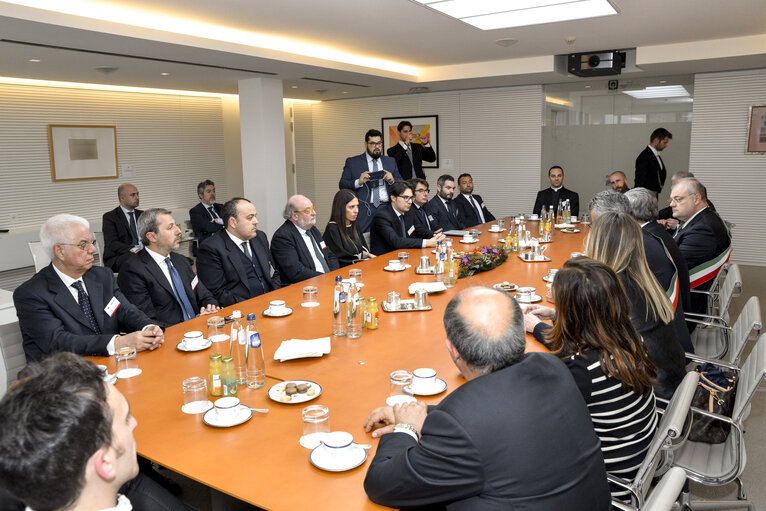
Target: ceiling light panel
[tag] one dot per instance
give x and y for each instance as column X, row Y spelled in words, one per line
column 494, row 14
column 666, row 91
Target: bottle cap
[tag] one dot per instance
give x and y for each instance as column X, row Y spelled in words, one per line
column 251, row 317
column 236, row 314
column 338, row 279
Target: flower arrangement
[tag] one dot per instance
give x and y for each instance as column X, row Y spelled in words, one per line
column 482, row 259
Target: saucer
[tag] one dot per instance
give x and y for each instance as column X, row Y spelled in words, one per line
column 276, row 392
column 474, row 240
column 534, row 218
column 505, row 286
column 312, row 441
column 270, row 314
column 197, row 407
column 494, row 230
column 546, row 278
column 570, row 230
column 310, row 304
column 534, row 299
column 243, row 415
column 332, row 462
column 438, row 387
column 391, row 268
column 399, row 400
column 181, row 346
column 128, row 373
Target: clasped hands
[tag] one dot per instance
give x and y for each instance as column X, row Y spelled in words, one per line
column 382, row 420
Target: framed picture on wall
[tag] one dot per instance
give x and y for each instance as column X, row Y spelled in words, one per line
column 756, row 131
column 425, row 129
column 82, row 152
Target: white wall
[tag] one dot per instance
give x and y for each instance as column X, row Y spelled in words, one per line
column 736, row 182
column 494, row 134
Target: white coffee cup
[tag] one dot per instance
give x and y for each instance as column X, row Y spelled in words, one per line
column 337, row 443
column 525, row 294
column 277, row 307
column 423, row 379
column 194, row 339
column 226, row 408
column 394, row 263
column 467, row 238
column 495, row 227
column 574, row 218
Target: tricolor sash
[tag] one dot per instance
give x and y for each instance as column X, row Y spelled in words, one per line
column 708, row 270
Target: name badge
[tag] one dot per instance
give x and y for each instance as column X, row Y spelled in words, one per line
column 410, row 230
column 430, row 218
column 195, row 282
column 112, row 306
column 323, row 245
column 483, row 206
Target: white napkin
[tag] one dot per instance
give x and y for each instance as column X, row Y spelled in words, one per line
column 563, row 226
column 430, row 287
column 302, row 348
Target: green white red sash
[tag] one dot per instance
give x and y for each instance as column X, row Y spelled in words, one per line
column 708, row 270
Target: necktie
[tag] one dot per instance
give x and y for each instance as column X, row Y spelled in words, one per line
column 318, row 252
column 479, row 216
column 246, row 250
column 133, row 231
column 375, row 194
column 213, row 214
column 404, row 228
column 178, row 288
column 409, row 155
column 84, row 300
column 425, row 216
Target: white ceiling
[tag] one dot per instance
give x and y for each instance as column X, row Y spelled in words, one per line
column 671, row 37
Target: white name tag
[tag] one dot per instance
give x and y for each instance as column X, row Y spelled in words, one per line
column 430, row 218
column 410, row 230
column 322, row 244
column 112, row 306
column 195, row 282
column 483, row 206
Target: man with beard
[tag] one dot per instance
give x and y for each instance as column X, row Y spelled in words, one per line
column 369, row 176
column 442, row 206
column 473, row 211
column 619, row 181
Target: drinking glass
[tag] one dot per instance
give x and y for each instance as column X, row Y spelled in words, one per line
column 195, row 395
column 310, row 296
column 316, row 424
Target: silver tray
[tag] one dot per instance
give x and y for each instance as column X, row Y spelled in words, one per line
column 540, row 259
column 405, row 306
column 426, row 271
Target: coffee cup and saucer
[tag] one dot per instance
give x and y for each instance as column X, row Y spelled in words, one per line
column 467, row 238
column 227, row 412
column 425, row 383
column 527, row 295
column 495, row 228
column 194, row 341
column 338, row 452
column 277, row 309
column 394, row 265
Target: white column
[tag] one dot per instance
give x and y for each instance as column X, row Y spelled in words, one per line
column 263, row 149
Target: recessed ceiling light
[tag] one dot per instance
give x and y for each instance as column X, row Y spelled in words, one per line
column 164, row 74
column 345, row 92
column 293, row 86
column 662, row 91
column 587, row 86
column 107, row 69
column 506, row 42
column 663, row 81
column 494, row 14
column 34, row 60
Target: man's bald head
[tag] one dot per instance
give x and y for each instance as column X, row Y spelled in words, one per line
column 486, row 327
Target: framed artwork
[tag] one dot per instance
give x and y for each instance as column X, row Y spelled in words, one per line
column 82, row 152
column 756, row 131
column 425, row 128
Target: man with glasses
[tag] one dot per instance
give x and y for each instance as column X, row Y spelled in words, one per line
column 70, row 305
column 369, row 175
column 205, row 217
column 702, row 236
column 235, row 264
column 119, row 227
column 393, row 229
column 298, row 249
column 424, row 220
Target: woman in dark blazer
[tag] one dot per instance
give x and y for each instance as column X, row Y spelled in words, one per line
column 342, row 234
column 615, row 239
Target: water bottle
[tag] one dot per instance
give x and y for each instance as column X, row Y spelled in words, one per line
column 339, row 314
column 256, row 369
column 451, row 269
column 238, row 346
column 354, row 327
column 440, row 267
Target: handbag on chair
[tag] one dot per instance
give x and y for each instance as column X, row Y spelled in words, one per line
column 715, row 393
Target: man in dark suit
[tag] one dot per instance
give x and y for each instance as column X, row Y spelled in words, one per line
column 119, row 228
column 420, row 212
column 160, row 282
column 702, row 236
column 650, row 169
column 551, row 196
column 618, row 181
column 471, row 206
column 371, row 191
column 410, row 157
column 458, row 451
column 665, row 259
column 70, row 305
column 442, row 206
column 205, row 217
column 235, row 264
column 392, row 228
column 298, row 249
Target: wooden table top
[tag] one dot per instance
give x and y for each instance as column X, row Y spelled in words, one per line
column 261, row 461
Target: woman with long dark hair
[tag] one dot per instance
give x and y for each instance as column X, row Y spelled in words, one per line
column 593, row 335
column 342, row 234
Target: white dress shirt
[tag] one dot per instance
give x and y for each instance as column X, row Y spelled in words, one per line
column 310, row 245
column 381, row 189
column 473, row 202
column 126, row 212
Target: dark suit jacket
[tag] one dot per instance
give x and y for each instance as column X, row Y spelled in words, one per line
column 143, row 282
column 117, row 238
column 425, row 229
column 419, row 154
column 663, row 268
column 353, row 168
column 51, row 320
column 449, row 221
column 470, row 218
column 548, row 197
column 220, row 268
column 201, row 222
column 292, row 256
column 537, row 451
column 648, row 172
column 386, row 232
column 347, row 251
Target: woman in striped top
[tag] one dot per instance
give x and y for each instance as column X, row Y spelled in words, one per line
column 593, row 335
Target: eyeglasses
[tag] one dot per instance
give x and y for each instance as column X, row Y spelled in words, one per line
column 375, row 144
column 307, row 211
column 83, row 245
column 679, row 200
column 407, row 198
column 422, row 190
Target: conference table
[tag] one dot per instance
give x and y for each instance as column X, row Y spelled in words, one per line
column 261, row 461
